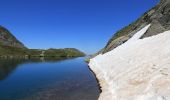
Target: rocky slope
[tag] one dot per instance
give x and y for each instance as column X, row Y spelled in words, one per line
column 134, row 65
column 7, row 39
column 158, row 16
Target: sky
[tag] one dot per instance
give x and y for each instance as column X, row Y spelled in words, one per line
column 83, row 24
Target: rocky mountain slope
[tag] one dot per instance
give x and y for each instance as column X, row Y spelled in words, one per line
column 158, row 16
column 134, row 65
column 7, row 39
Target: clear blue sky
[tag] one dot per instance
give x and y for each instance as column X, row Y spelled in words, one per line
column 83, row 24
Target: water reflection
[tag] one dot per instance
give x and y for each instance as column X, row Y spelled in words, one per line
column 7, row 66
column 47, row 79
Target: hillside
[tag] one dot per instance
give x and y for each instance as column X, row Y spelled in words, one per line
column 7, row 51
column 66, row 52
column 158, row 16
column 7, row 39
column 11, row 47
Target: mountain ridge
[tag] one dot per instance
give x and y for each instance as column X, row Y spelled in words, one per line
column 10, row 46
column 158, row 16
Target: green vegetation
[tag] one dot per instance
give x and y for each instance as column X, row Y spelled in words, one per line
column 67, row 52
column 11, row 47
column 8, row 51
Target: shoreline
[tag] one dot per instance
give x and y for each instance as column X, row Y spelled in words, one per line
column 129, row 73
column 105, row 92
column 99, row 66
column 98, row 81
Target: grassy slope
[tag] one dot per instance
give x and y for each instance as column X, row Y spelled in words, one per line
column 21, row 52
column 11, row 51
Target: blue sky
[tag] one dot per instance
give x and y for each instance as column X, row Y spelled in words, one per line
column 83, row 24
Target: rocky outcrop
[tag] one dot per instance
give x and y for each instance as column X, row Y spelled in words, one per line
column 158, row 16
column 7, row 39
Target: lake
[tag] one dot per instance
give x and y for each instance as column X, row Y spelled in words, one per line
column 51, row 79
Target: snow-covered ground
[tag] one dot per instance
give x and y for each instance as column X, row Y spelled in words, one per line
column 137, row 70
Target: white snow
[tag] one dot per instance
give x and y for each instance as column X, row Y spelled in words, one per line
column 137, row 70
column 139, row 34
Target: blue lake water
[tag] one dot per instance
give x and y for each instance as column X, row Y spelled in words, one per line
column 47, row 80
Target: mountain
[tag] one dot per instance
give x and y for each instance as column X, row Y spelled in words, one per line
column 7, row 39
column 65, row 52
column 134, row 65
column 158, row 17
column 10, row 46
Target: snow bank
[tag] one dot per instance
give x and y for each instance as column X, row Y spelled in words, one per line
column 137, row 70
column 139, row 34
